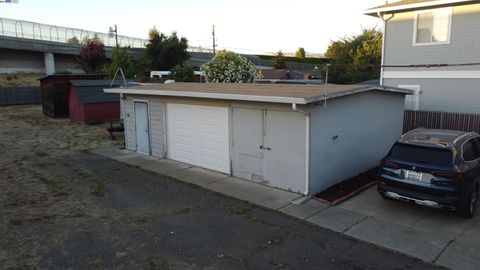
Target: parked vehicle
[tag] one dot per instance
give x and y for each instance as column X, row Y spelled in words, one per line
column 435, row 168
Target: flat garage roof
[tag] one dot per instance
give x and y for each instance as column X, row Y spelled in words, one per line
column 276, row 93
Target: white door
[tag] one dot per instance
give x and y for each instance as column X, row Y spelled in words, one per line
column 199, row 135
column 247, row 157
column 142, row 127
column 285, row 154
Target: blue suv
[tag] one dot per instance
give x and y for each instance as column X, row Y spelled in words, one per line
column 435, row 168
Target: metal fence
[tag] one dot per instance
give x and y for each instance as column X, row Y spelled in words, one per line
column 20, row 95
column 445, row 120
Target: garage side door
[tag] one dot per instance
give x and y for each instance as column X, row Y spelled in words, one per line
column 198, row 135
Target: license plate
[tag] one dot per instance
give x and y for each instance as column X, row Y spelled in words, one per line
column 413, row 176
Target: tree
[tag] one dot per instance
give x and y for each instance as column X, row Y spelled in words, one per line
column 165, row 52
column 278, row 61
column 121, row 58
column 92, row 56
column 357, row 57
column 229, row 67
column 300, row 53
column 73, row 40
column 183, row 73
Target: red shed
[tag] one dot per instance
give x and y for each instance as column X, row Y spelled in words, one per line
column 54, row 92
column 88, row 103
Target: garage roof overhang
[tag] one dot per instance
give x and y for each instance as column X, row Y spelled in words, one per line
column 295, row 98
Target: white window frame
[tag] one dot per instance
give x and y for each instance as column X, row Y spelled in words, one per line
column 416, row 96
column 448, row 10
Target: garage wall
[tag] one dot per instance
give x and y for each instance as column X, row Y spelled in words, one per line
column 156, row 121
column 351, row 135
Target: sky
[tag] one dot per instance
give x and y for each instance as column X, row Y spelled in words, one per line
column 247, row 26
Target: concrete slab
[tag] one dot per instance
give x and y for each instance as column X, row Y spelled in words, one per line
column 336, row 219
column 112, row 152
column 255, row 193
column 460, row 256
column 197, row 176
column 370, row 203
column 139, row 159
column 304, row 210
column 471, row 236
column 164, row 166
column 444, row 223
column 416, row 243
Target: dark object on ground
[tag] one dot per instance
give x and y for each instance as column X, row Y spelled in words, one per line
column 348, row 188
column 114, row 128
column 437, row 168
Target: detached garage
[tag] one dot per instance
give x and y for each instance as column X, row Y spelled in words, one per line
column 302, row 138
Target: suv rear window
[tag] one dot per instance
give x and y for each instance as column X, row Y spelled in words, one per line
column 421, row 154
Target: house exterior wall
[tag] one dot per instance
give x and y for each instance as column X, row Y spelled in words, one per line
column 451, row 89
column 446, row 95
column 464, row 46
column 156, row 122
column 351, row 135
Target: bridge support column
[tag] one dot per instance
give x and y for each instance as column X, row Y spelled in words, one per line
column 49, row 63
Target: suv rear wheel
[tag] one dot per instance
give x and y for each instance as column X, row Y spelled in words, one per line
column 471, row 206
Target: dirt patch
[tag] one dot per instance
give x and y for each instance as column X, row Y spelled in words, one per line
column 348, row 188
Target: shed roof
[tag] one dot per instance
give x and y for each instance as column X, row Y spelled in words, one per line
column 410, row 5
column 276, row 93
column 91, row 91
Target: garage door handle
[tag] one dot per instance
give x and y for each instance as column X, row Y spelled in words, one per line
column 265, row 148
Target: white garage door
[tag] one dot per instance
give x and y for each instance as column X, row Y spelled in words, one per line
column 198, row 135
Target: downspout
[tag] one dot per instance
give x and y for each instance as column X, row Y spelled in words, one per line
column 307, row 150
column 384, row 37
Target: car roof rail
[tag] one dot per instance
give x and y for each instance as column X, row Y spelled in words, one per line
column 411, row 131
column 461, row 136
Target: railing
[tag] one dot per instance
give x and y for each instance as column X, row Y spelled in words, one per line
column 47, row 32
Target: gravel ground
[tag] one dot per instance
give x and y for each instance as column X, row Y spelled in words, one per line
column 62, row 207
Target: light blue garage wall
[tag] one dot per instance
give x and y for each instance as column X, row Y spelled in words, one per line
column 351, row 135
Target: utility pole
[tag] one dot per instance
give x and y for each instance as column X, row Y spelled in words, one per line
column 213, row 36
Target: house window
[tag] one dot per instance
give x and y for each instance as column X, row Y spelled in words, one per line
column 432, row 27
column 412, row 102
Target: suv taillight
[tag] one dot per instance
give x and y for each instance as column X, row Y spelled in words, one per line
column 457, row 174
column 388, row 164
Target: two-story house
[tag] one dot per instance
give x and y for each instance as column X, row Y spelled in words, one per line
column 418, row 35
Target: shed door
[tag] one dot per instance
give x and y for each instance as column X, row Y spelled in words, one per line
column 142, row 127
column 285, row 150
column 247, row 158
column 199, row 135
column 269, row 147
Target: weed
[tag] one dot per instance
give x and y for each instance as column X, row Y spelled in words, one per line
column 244, row 212
column 40, row 154
column 98, row 189
column 183, row 210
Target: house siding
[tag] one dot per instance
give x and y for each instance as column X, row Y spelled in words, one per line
column 129, row 125
column 448, row 95
column 351, row 135
column 464, row 44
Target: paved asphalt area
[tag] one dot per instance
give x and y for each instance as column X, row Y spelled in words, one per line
column 137, row 219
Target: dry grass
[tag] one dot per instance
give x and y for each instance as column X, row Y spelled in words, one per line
column 20, row 79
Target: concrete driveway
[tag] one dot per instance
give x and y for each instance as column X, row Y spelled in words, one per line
column 432, row 235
